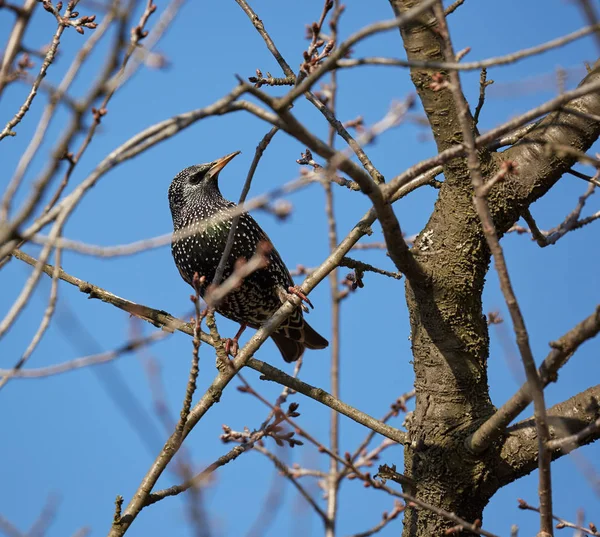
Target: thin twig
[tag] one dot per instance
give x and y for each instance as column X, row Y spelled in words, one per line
column 476, row 65
column 332, row 481
column 284, row 469
column 9, row 529
column 84, row 361
column 215, row 295
column 562, row 523
column 61, row 148
column 43, row 325
column 570, row 223
column 397, row 406
column 33, row 279
column 365, row 267
column 8, row 129
column 490, row 137
column 260, row 149
column 483, row 83
column 44, row 520
column 573, row 441
column 200, row 478
column 386, row 518
column 194, row 369
column 14, row 45
column 453, row 7
column 258, row 24
column 584, row 176
column 158, row 318
column 592, row 17
column 273, row 374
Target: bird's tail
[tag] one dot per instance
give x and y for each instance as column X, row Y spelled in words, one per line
column 290, row 350
column 294, row 337
column 312, row 339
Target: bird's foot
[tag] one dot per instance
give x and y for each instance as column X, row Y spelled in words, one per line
column 295, row 290
column 232, row 345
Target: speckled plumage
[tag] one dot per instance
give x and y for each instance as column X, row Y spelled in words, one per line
column 197, row 246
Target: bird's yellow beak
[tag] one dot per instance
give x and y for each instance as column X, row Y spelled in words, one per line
column 218, row 165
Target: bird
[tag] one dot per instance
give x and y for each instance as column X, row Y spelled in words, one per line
column 199, row 238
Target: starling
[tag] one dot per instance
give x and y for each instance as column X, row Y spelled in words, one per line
column 194, row 197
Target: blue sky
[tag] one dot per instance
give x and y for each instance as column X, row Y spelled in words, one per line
column 64, row 435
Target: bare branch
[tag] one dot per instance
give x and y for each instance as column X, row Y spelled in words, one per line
column 43, row 325
column 85, row 361
column 365, row 267
column 9, row 529
column 519, row 453
column 258, row 261
column 453, row 7
column 483, row 83
column 258, row 24
column 474, row 66
column 571, row 222
column 571, row 442
column 562, row 350
column 273, row 374
column 33, row 279
column 385, row 519
column 562, row 523
column 13, row 44
column 194, row 369
column 590, row 13
column 289, row 474
column 260, row 149
column 7, row 131
column 589, row 87
column 156, row 317
column 134, row 146
column 342, row 49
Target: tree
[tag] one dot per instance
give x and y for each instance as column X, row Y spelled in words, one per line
column 460, row 447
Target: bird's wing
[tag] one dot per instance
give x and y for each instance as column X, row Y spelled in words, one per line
column 274, row 257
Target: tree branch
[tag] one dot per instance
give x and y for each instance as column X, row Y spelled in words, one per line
column 519, row 453
column 562, row 350
column 158, row 318
column 538, row 170
column 273, row 374
column 164, row 320
column 472, row 66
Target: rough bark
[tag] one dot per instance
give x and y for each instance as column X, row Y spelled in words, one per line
column 518, row 456
column 449, row 331
column 448, row 328
column 540, row 165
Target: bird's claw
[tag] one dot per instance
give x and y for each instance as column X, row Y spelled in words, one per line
column 295, row 290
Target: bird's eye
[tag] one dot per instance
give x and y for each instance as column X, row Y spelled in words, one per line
column 197, row 177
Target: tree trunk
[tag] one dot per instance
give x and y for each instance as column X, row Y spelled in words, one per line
column 450, row 342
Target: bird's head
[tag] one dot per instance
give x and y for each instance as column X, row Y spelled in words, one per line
column 196, row 185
